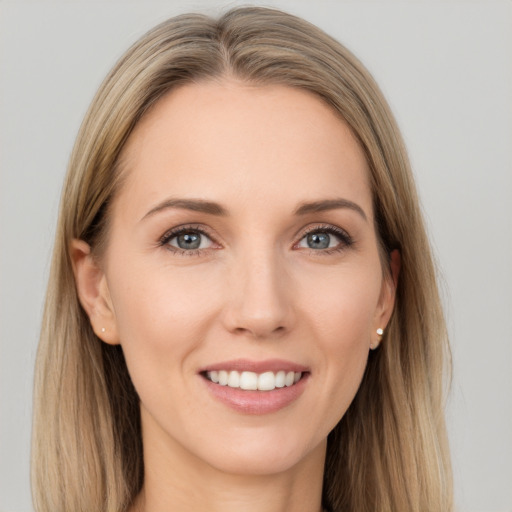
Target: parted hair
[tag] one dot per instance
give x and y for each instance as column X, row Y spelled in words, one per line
column 389, row 452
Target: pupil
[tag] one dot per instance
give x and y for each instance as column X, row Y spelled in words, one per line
column 189, row 241
column 318, row 240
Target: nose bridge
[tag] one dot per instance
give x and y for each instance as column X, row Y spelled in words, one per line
column 260, row 301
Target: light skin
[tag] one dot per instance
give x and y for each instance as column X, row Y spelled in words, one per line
column 272, row 188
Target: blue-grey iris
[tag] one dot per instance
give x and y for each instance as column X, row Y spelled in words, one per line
column 318, row 240
column 188, row 240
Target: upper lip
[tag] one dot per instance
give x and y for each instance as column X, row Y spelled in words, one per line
column 248, row 365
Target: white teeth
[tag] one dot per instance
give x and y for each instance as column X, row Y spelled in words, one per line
column 280, row 378
column 266, row 381
column 251, row 381
column 248, row 380
column 223, row 378
column 234, row 380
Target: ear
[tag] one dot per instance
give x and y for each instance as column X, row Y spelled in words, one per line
column 387, row 297
column 93, row 292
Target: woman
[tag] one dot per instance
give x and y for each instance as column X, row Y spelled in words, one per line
column 242, row 309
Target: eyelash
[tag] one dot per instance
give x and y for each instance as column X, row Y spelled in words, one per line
column 174, row 232
column 346, row 240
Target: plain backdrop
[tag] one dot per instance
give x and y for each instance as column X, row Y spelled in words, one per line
column 446, row 69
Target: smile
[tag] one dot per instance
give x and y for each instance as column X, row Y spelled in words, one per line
column 256, row 387
column 252, row 381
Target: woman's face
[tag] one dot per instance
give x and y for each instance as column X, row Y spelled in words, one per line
column 242, row 249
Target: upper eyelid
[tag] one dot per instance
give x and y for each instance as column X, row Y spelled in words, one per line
column 319, row 227
column 176, row 230
column 206, row 231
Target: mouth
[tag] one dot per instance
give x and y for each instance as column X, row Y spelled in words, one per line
column 252, row 381
column 256, row 388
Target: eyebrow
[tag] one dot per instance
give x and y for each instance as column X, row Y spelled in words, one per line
column 212, row 208
column 195, row 205
column 329, row 204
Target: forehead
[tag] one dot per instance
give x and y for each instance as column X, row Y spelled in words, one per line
column 220, row 139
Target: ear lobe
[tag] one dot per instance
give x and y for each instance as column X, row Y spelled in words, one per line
column 93, row 292
column 388, row 292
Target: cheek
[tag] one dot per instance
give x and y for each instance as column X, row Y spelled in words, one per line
column 341, row 314
column 166, row 302
column 342, row 303
column 161, row 318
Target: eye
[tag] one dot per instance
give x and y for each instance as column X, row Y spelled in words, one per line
column 322, row 238
column 187, row 239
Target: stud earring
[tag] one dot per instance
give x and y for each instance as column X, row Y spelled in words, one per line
column 379, row 332
column 103, row 329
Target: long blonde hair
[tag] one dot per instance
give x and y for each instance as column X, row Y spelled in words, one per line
column 389, row 452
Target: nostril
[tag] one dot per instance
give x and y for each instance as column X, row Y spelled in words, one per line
column 260, row 331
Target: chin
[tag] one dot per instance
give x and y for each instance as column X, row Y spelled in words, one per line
column 260, row 458
column 256, row 465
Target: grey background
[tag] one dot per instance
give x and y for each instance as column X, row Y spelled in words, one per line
column 446, row 68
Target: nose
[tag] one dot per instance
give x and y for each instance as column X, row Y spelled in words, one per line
column 259, row 297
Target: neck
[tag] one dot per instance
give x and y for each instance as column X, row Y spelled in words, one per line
column 177, row 481
column 259, row 494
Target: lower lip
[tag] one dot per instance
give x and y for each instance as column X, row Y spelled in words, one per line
column 257, row 402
